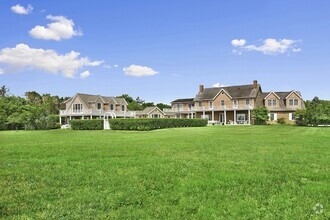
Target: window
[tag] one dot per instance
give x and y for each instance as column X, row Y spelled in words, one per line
column 77, row 108
column 293, row 102
column 247, row 101
column 211, row 105
column 155, row 116
column 235, row 102
column 272, row 102
column 111, row 107
column 99, row 106
column 292, row 117
column 222, row 102
column 272, row 116
column 200, row 104
column 123, row 107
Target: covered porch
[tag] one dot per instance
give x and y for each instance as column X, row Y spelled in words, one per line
column 227, row 117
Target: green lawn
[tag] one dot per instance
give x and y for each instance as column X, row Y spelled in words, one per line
column 229, row 172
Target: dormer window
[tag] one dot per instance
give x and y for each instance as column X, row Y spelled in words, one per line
column 123, row 107
column 111, row 107
column 200, row 104
column 272, row 102
column 99, row 105
column 293, row 102
column 247, row 102
column 222, row 103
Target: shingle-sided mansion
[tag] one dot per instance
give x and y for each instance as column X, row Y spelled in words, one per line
column 220, row 105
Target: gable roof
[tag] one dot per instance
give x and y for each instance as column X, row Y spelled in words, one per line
column 282, row 97
column 183, row 100
column 297, row 93
column 148, row 110
column 272, row 93
column 87, row 99
column 242, row 91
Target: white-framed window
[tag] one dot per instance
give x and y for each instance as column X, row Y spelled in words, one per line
column 292, row 117
column 99, row 105
column 210, row 105
column 235, row 102
column 222, row 103
column 272, row 102
column 111, row 107
column 293, row 102
column 155, row 116
column 200, row 104
column 272, row 116
column 123, row 107
column 240, row 118
column 247, row 102
column 77, row 108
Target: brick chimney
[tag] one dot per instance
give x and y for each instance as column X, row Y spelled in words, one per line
column 201, row 88
column 255, row 84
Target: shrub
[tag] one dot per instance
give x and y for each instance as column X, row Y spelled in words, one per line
column 147, row 124
column 260, row 115
column 281, row 121
column 95, row 124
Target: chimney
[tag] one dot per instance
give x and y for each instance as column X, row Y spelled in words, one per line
column 201, row 88
column 255, row 84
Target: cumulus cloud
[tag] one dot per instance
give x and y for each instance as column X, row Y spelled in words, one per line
column 139, row 71
column 60, row 28
column 1, row 71
column 84, row 74
column 18, row 9
column 268, row 46
column 238, row 42
column 22, row 57
column 219, row 85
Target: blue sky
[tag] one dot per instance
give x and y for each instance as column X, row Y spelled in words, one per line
column 162, row 50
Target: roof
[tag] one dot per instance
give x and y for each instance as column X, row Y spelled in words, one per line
column 183, row 100
column 148, row 110
column 281, row 95
column 87, row 99
column 242, row 91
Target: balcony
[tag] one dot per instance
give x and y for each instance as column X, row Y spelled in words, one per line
column 97, row 112
column 207, row 108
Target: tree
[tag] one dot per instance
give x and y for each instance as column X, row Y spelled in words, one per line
column 128, row 98
column 260, row 115
column 4, row 91
column 162, row 106
column 33, row 97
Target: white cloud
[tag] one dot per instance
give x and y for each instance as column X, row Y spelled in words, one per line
column 22, row 57
column 135, row 70
column 1, row 71
column 60, row 28
column 219, row 85
column 84, row 74
column 18, row 9
column 296, row 50
column 107, row 66
column 268, row 46
column 238, row 42
column 116, row 65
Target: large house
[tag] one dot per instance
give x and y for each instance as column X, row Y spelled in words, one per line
column 223, row 105
column 233, row 104
column 86, row 106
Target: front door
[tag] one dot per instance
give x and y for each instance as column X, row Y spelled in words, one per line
column 222, row 118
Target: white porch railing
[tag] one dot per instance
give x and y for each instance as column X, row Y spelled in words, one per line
column 97, row 112
column 207, row 108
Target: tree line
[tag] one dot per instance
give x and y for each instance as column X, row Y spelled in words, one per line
column 37, row 111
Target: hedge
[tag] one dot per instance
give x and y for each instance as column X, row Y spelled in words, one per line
column 95, row 124
column 147, row 124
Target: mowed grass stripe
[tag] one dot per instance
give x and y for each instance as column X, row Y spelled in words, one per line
column 190, row 173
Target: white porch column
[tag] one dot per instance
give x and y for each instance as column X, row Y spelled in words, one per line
column 82, row 117
column 192, row 115
column 203, row 114
column 60, row 120
column 249, row 114
column 225, row 117
column 235, row 116
column 212, row 115
column 70, row 117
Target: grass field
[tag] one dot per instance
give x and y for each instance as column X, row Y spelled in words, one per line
column 229, row 172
